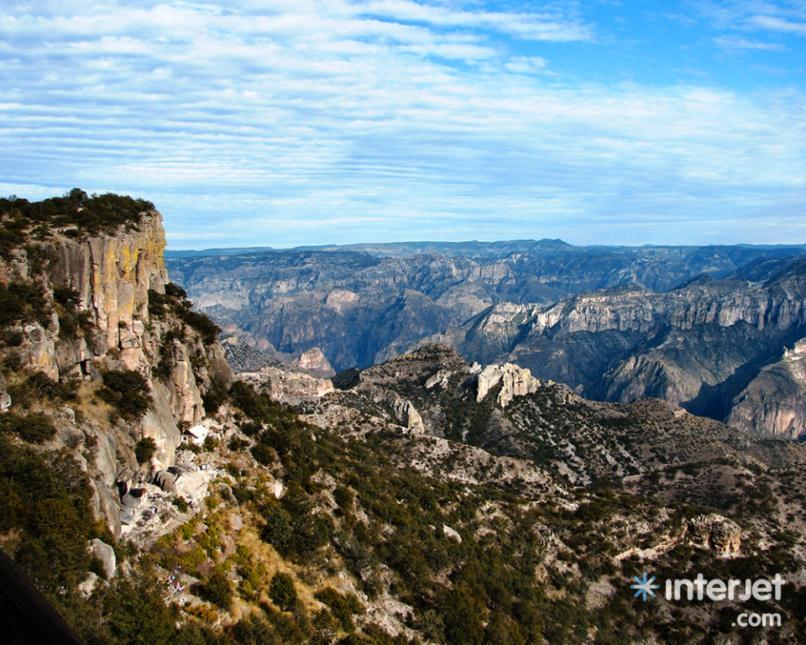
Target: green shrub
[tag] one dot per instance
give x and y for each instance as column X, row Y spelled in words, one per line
column 135, row 612
column 344, row 497
column 343, row 607
column 216, row 589
column 89, row 214
column 157, row 303
column 71, row 320
column 254, row 630
column 208, row 330
column 12, row 362
column 282, row 591
column 12, row 338
column 47, row 497
column 128, row 392
column 258, row 407
column 39, row 386
column 279, row 526
column 462, row 610
column 173, row 290
column 144, row 450
column 215, row 396
column 174, row 300
column 34, row 428
column 25, row 302
column 165, row 365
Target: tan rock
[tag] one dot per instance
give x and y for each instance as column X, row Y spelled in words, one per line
column 288, row 387
column 715, row 533
column 515, row 381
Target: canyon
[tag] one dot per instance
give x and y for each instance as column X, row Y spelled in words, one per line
column 690, row 325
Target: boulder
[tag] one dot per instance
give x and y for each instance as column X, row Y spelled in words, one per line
column 87, row 586
column 106, row 555
column 166, row 480
column 451, row 534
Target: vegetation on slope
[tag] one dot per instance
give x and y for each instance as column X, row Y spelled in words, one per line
column 76, row 214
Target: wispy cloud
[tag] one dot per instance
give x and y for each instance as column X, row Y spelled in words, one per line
column 385, row 119
column 736, row 42
column 787, row 16
column 774, row 23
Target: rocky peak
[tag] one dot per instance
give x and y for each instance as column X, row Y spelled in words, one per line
column 315, row 362
column 514, row 380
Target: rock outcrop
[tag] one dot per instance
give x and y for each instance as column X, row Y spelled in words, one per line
column 288, row 387
column 514, row 380
column 409, row 417
column 112, row 274
column 106, row 556
column 314, row 362
column 716, row 533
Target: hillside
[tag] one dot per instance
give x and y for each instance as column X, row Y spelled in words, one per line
column 155, row 498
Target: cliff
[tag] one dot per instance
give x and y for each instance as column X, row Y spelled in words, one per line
column 92, row 306
column 697, row 346
column 774, row 402
column 113, row 274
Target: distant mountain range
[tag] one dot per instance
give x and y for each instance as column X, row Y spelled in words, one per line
column 693, row 325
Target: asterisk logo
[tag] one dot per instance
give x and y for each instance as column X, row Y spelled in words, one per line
column 644, row 586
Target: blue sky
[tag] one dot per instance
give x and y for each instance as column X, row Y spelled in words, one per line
column 284, row 123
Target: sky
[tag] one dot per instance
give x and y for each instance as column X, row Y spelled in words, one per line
column 301, row 122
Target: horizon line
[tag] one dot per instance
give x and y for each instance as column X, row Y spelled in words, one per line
column 556, row 241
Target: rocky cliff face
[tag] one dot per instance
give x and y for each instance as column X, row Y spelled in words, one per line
column 95, row 297
column 697, row 346
column 112, row 274
column 774, row 402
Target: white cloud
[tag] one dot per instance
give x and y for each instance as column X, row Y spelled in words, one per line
column 775, row 23
column 387, row 118
column 526, row 64
column 737, row 43
column 783, row 16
